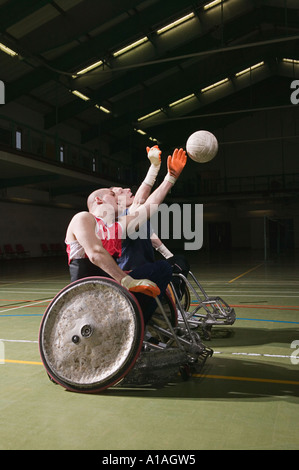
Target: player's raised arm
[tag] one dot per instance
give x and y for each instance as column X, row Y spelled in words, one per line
column 175, row 165
column 144, row 190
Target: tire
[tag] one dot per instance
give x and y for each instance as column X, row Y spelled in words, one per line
column 157, row 318
column 91, row 335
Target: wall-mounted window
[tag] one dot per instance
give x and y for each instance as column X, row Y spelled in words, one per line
column 19, row 139
column 61, row 153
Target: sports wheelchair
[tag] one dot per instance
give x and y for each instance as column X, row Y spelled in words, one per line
column 198, row 308
column 92, row 337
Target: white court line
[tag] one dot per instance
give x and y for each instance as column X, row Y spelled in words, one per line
column 215, row 352
column 18, row 341
column 253, row 354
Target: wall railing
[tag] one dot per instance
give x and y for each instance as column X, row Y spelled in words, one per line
column 53, row 148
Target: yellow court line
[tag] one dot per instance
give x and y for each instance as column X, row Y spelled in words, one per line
column 21, row 362
column 246, row 272
column 247, row 379
column 221, row 377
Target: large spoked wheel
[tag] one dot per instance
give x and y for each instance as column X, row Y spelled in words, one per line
column 91, row 335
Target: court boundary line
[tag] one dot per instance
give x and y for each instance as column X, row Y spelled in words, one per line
column 246, row 272
column 32, row 304
column 202, row 376
column 246, row 379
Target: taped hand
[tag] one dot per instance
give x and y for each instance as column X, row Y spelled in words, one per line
column 141, row 286
column 154, row 155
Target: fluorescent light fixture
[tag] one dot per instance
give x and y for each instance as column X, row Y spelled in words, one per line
column 80, row 95
column 7, row 50
column 249, row 69
column 149, row 115
column 140, row 131
column 182, row 100
column 90, row 67
column 212, row 4
column 105, row 110
column 291, row 61
column 175, row 23
column 214, row 85
column 130, row 46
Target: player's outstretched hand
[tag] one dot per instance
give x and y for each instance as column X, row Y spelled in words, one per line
column 154, row 155
column 175, row 164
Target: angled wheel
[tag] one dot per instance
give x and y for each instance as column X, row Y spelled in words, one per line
column 157, row 320
column 91, row 335
column 186, row 298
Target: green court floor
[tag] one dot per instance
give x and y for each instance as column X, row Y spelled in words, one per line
column 246, row 396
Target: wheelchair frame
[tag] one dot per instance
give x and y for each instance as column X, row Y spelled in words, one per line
column 216, row 310
column 75, row 353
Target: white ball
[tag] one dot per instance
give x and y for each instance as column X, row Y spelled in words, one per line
column 202, row 146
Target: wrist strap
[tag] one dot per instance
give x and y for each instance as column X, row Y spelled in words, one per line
column 170, row 178
column 164, row 251
column 151, row 176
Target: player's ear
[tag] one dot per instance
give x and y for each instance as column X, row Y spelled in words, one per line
column 98, row 200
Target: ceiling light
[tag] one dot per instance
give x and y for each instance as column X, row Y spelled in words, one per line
column 90, row 67
column 214, row 85
column 149, row 115
column 182, row 100
column 140, row 131
column 291, row 61
column 80, row 95
column 7, row 50
column 105, row 110
column 130, row 46
column 249, row 69
column 175, row 23
column 212, row 4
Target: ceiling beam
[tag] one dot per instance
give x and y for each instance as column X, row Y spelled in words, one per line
column 235, row 28
column 126, row 80
column 190, row 81
column 98, row 46
column 15, row 10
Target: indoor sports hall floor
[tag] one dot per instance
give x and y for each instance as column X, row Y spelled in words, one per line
column 247, row 396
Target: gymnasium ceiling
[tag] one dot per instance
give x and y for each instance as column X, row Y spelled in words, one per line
column 171, row 73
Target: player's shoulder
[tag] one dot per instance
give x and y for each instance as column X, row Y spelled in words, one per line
column 83, row 216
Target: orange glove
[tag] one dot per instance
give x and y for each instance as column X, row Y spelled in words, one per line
column 142, row 286
column 175, row 165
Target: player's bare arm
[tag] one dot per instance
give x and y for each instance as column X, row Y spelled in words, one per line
column 175, row 165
